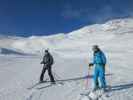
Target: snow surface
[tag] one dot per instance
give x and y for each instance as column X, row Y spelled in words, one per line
column 20, row 62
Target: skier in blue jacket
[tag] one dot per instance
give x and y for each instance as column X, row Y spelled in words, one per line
column 99, row 61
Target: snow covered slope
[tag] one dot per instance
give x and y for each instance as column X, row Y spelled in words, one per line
column 98, row 33
column 72, row 53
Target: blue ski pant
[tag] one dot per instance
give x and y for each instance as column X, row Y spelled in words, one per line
column 99, row 72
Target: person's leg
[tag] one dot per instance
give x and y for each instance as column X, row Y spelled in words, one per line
column 50, row 74
column 102, row 77
column 42, row 74
column 97, row 82
column 104, row 68
column 96, row 73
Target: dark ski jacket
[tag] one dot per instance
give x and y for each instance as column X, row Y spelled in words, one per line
column 48, row 60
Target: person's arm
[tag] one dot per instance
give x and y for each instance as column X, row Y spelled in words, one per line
column 104, row 60
column 51, row 60
column 42, row 62
column 92, row 63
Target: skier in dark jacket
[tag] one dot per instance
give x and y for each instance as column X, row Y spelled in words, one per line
column 48, row 62
column 99, row 60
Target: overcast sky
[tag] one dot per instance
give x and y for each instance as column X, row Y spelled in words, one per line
column 45, row 17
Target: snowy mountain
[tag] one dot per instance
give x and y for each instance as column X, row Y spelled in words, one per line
column 72, row 53
column 79, row 40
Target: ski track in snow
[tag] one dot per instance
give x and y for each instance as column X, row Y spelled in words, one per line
column 17, row 85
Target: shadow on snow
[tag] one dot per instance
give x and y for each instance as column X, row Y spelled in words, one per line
column 69, row 80
column 76, row 78
column 121, row 87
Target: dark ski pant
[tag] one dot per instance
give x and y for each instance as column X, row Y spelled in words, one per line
column 49, row 69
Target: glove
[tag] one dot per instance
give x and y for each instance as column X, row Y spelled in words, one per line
column 91, row 64
column 42, row 62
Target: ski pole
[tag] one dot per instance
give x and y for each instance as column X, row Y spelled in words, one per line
column 57, row 76
column 87, row 80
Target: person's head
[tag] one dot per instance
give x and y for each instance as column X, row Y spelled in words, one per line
column 46, row 52
column 95, row 48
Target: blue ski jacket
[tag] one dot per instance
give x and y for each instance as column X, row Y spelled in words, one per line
column 99, row 58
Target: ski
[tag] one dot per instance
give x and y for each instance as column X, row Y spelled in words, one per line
column 96, row 95
column 89, row 96
column 36, row 84
column 44, row 82
column 49, row 85
column 106, row 94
